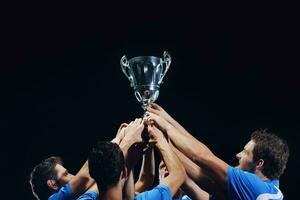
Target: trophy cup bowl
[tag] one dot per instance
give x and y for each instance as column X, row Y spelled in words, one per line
column 145, row 74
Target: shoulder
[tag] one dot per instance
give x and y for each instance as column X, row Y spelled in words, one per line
column 242, row 183
column 89, row 195
column 64, row 193
column 161, row 191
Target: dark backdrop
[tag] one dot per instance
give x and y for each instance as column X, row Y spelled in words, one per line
column 234, row 69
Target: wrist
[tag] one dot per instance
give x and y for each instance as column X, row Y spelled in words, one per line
column 168, row 128
column 128, row 140
column 162, row 142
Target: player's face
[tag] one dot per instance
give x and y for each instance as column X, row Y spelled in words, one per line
column 63, row 176
column 245, row 157
column 163, row 171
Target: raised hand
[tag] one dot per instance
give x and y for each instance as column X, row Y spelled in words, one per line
column 156, row 135
column 159, row 122
column 158, row 110
column 134, row 130
column 120, row 134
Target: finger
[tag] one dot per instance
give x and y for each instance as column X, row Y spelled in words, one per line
column 142, row 120
column 157, row 131
column 139, row 120
column 150, row 117
column 151, row 110
column 123, row 125
column 156, row 106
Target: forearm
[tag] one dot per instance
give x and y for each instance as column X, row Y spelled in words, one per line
column 128, row 189
column 200, row 154
column 192, row 170
column 125, row 145
column 81, row 181
column 188, row 145
column 175, row 168
column 147, row 172
column 169, row 157
column 178, row 126
column 193, row 190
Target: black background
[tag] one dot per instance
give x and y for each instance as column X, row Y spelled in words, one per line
column 234, row 69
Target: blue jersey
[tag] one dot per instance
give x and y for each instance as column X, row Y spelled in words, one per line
column 89, row 195
column 64, row 193
column 160, row 192
column 246, row 185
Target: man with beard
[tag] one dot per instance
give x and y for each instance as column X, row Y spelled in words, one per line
column 261, row 162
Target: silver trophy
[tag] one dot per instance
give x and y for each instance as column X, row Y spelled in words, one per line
column 145, row 74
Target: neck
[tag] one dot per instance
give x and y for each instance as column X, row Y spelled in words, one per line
column 261, row 175
column 112, row 193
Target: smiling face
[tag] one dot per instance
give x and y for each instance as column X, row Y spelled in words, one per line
column 245, row 157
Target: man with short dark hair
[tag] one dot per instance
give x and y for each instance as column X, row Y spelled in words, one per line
column 50, row 180
column 112, row 156
column 261, row 162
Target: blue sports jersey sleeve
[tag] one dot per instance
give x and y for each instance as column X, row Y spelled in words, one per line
column 246, row 185
column 64, row 193
column 89, row 195
column 160, row 192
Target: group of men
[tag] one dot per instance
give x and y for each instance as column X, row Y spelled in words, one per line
column 188, row 170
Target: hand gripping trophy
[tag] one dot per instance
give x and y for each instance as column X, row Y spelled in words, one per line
column 145, row 74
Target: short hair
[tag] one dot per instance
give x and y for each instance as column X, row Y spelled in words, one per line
column 40, row 174
column 273, row 150
column 106, row 161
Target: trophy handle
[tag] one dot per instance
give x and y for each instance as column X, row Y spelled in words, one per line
column 125, row 67
column 167, row 62
column 138, row 96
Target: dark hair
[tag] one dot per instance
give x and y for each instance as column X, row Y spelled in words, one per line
column 106, row 162
column 273, row 150
column 40, row 174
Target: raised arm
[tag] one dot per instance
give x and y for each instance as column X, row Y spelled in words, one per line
column 198, row 152
column 198, row 176
column 177, row 173
column 128, row 135
column 132, row 135
column 81, row 181
column 158, row 110
column 147, row 172
column 128, row 189
column 192, row 190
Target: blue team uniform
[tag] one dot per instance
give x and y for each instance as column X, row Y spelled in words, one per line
column 89, row 195
column 160, row 192
column 64, row 193
column 246, row 185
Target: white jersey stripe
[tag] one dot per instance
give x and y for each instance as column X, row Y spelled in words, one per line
column 268, row 196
